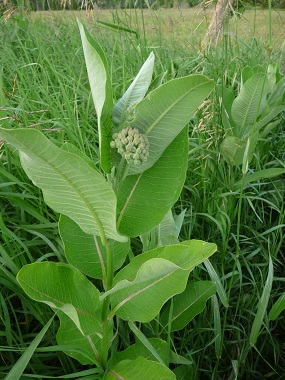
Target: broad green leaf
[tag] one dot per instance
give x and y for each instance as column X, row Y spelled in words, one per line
column 251, row 100
column 101, row 89
column 187, row 305
column 139, row 349
column 262, row 306
column 144, row 199
column 86, row 252
column 272, row 114
column 184, row 372
column 124, row 109
column 277, row 308
column 141, row 369
column 19, row 367
column 235, row 149
column 85, row 349
column 226, row 98
column 260, row 174
column 278, row 93
column 64, row 288
column 70, row 186
column 165, row 112
column 150, row 279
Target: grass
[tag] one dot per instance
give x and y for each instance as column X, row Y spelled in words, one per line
column 45, row 86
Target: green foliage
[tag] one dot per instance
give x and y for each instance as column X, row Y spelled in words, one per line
column 87, row 200
column 45, row 86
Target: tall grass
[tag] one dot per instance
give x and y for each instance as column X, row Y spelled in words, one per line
column 45, row 86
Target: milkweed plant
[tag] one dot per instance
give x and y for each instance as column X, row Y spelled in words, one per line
column 103, row 287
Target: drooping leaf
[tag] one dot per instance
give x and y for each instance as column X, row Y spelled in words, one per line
column 165, row 112
column 135, row 93
column 140, row 368
column 251, row 101
column 187, row 305
column 64, row 288
column 86, row 252
column 144, row 199
column 150, row 279
column 70, row 186
column 101, row 89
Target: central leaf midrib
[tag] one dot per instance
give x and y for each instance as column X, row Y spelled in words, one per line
column 173, row 104
column 76, row 190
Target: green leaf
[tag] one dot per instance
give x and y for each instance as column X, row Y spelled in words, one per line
column 70, row 186
column 187, row 305
column 144, row 199
column 260, row 174
column 150, row 279
column 262, row 306
column 251, row 101
column 165, row 112
column 184, row 372
column 217, row 326
column 135, row 93
column 216, row 279
column 277, row 308
column 234, row 149
column 101, row 89
column 19, row 367
column 64, row 288
column 86, row 252
column 84, row 348
column 139, row 349
column 141, row 369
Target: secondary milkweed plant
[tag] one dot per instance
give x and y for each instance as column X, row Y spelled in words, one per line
column 143, row 146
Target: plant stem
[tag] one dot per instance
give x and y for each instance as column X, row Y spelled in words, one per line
column 106, row 304
column 121, row 173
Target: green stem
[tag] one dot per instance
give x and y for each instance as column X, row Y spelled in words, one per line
column 106, row 306
column 121, row 173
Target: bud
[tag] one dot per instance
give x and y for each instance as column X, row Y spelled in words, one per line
column 132, row 145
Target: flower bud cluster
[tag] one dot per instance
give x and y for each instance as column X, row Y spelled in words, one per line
column 132, row 145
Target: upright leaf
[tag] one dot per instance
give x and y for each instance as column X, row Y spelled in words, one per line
column 262, row 306
column 164, row 113
column 101, row 89
column 144, row 199
column 70, row 186
column 135, row 93
column 251, row 100
column 277, row 308
column 19, row 367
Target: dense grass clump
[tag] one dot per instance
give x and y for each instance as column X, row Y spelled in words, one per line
column 44, row 85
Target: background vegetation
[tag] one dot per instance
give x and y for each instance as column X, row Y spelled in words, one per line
column 44, row 85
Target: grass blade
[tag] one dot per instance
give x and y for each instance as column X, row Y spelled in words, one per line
column 263, row 302
column 18, row 369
